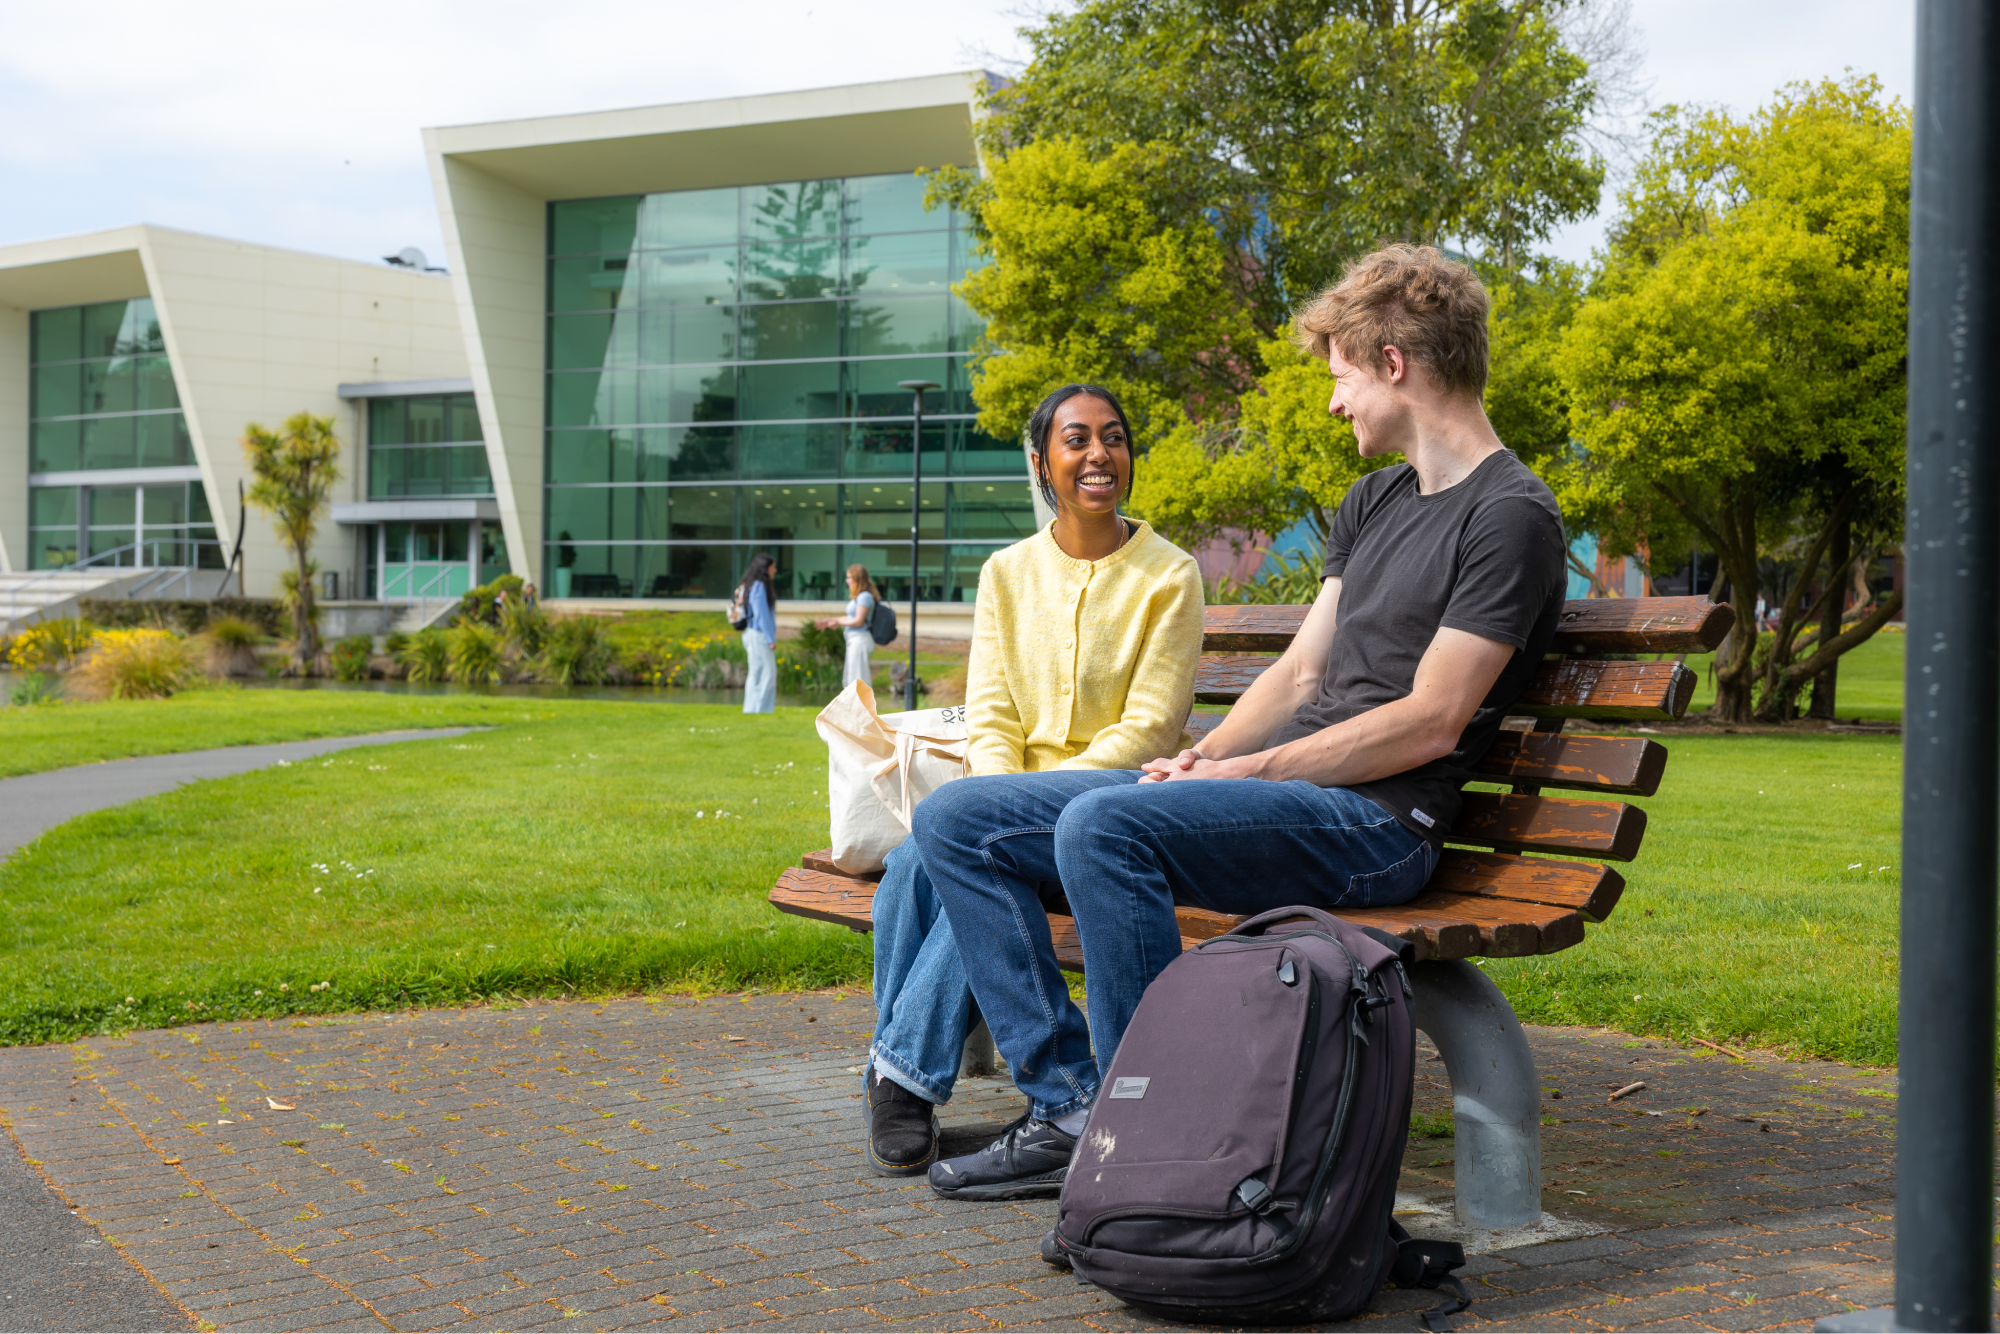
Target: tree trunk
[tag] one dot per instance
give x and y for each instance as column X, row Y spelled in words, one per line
column 1736, row 661
column 1837, row 574
column 306, row 651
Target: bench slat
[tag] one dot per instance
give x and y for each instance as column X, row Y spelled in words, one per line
column 1627, row 765
column 1590, row 889
column 1643, row 625
column 1589, row 625
column 1609, row 829
column 1562, row 688
column 823, row 861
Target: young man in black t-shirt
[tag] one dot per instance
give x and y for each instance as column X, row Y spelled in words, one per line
column 1333, row 781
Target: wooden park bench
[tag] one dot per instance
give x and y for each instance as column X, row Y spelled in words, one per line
column 1508, row 884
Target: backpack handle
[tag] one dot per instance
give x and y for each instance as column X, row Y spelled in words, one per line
column 1264, row 921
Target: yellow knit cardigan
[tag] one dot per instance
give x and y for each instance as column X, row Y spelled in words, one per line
column 1082, row 664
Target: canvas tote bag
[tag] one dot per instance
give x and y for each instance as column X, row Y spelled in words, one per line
column 879, row 766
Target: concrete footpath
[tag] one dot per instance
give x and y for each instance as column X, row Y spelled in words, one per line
column 34, row 803
column 698, row 1164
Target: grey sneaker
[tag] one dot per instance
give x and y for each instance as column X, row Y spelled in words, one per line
column 1028, row 1161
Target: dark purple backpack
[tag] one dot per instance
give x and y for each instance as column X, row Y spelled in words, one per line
column 1241, row 1165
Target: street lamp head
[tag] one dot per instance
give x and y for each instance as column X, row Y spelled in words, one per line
column 917, row 386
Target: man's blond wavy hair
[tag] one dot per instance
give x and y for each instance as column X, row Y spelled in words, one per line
column 1411, row 298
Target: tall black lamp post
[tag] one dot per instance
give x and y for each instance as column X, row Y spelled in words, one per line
column 1951, row 711
column 917, row 388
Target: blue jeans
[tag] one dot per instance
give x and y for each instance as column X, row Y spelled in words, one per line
column 1126, row 853
column 923, row 1005
column 760, row 686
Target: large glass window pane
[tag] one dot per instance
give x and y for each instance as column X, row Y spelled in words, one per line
column 702, row 513
column 791, row 271
column 143, row 322
column 974, row 452
column 164, row 505
column 426, row 421
column 967, row 327
column 52, row 446
column 813, row 573
column 794, row 329
column 590, row 456
column 587, row 282
column 682, row 334
column 108, row 443
column 688, row 453
column 58, row 334
column 198, row 511
column 965, row 256
column 113, row 506
column 689, row 277
column 893, row 203
column 791, row 391
column 791, row 212
column 52, row 507
column 689, row 572
column 890, row 565
column 991, row 512
column 688, row 218
column 791, row 449
column 387, row 419
column 160, row 440
column 462, row 422
column 466, row 471
column 791, row 513
column 581, row 226
column 872, row 386
column 686, row 393
column 582, row 513
column 903, row 325
column 898, row 265
column 58, row 391
column 593, row 398
column 584, row 342
column 963, row 565
column 882, row 448
column 108, row 386
column 103, row 325
column 880, row 512
column 155, row 384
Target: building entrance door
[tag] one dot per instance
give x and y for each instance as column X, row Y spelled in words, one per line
column 426, row 560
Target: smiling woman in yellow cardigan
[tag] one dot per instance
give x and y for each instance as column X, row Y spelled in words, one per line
column 1084, row 643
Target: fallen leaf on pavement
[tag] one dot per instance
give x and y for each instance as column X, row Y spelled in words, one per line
column 277, row 1106
column 733, row 1038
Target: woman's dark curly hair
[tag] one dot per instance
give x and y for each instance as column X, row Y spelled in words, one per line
column 1044, row 420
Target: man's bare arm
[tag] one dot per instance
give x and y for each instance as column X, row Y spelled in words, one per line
column 1454, row 677
column 1276, row 695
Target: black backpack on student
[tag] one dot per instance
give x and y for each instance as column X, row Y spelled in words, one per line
column 882, row 623
column 1240, row 1166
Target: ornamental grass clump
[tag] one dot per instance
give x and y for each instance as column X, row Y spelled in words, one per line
column 475, row 654
column 350, row 658
column 575, row 653
column 525, row 626
column 425, row 656
column 135, row 664
column 232, row 647
column 717, row 662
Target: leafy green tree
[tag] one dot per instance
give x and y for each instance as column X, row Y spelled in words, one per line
column 1735, row 375
column 293, row 470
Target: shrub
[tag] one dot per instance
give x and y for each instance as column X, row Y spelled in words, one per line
column 474, row 653
column 425, row 656
column 525, row 628
column 31, row 689
column 717, row 662
column 54, row 644
column 576, row 652
column 232, row 645
column 350, row 658
column 1295, row 579
column 135, row 664
column 480, row 604
column 394, row 642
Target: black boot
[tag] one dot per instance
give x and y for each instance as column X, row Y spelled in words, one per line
column 902, row 1127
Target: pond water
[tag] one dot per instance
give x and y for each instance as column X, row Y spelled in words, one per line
column 637, row 694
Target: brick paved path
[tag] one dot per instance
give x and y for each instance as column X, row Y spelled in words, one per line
column 698, row 1165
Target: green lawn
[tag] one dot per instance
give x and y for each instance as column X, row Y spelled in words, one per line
column 1870, row 687
column 53, row 736
column 562, row 851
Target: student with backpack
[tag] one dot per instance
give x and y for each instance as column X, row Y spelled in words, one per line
column 1084, row 646
column 1332, row 782
column 865, row 610
column 750, row 611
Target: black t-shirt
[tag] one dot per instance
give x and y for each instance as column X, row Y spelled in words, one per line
column 1484, row 556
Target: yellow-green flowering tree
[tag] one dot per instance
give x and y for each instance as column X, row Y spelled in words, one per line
column 1735, row 376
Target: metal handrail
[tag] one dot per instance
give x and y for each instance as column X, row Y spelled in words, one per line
column 423, row 597
column 185, row 572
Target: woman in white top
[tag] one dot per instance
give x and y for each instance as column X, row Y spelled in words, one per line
column 862, row 597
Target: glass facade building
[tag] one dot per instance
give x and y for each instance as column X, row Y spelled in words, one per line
column 426, row 445
column 722, row 379
column 102, row 399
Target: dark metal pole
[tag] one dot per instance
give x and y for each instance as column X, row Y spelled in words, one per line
column 917, row 389
column 1951, row 707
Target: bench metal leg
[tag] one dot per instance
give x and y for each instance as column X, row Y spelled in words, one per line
column 1496, row 1097
column 978, row 1058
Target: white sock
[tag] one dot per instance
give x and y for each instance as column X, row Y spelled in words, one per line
column 1072, row 1124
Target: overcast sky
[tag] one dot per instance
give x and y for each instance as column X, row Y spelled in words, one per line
column 297, row 125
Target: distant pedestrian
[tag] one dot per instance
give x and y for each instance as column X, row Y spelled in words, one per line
column 760, row 687
column 862, row 597
column 529, row 596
